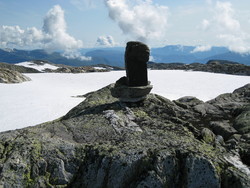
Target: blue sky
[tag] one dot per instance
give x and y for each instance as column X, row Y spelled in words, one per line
column 91, row 23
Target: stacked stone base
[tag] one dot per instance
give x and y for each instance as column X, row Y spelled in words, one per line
column 127, row 93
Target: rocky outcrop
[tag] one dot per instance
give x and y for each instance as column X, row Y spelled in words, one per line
column 17, row 68
column 215, row 66
column 103, row 142
column 85, row 69
column 8, row 76
column 60, row 69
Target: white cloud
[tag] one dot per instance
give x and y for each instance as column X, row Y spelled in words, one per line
column 225, row 16
column 235, row 43
column 72, row 54
column 12, row 36
column 226, row 28
column 54, row 29
column 53, row 36
column 106, row 41
column 141, row 19
column 231, row 32
column 201, row 49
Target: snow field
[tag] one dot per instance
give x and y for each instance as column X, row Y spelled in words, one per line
column 49, row 95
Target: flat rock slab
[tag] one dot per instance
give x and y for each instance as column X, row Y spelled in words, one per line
column 130, row 94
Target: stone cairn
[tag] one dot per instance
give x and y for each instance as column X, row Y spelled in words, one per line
column 134, row 86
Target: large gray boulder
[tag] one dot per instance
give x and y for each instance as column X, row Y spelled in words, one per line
column 103, row 142
column 9, row 76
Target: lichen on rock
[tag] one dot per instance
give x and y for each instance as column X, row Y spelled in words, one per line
column 104, row 142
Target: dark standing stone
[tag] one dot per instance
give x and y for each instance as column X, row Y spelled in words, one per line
column 134, row 86
column 136, row 58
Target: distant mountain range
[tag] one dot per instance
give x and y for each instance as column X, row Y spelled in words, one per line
column 16, row 56
column 186, row 54
column 115, row 56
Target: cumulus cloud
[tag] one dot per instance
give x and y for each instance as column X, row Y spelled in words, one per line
column 73, row 54
column 141, row 19
column 54, row 29
column 201, row 49
column 231, row 31
column 223, row 19
column 106, row 41
column 236, row 43
column 12, row 36
column 225, row 16
column 53, row 35
column 227, row 28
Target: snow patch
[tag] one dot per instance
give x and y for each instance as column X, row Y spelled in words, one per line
column 41, row 67
column 49, row 95
column 99, row 68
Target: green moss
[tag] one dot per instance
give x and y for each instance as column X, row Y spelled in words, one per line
column 219, row 168
column 36, row 149
column 140, row 114
column 206, row 148
column 1, row 149
column 47, row 177
column 97, row 102
column 28, row 180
